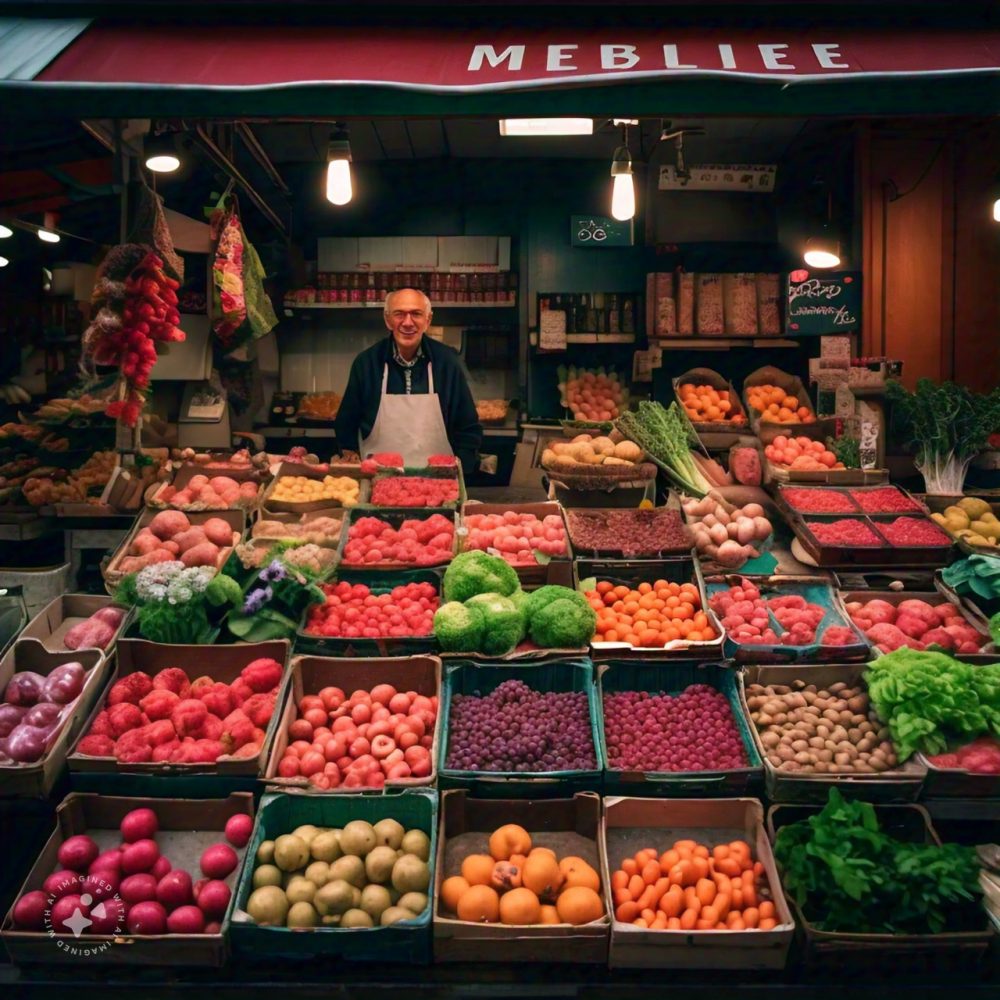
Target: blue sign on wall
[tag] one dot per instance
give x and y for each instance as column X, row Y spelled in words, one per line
column 599, row 231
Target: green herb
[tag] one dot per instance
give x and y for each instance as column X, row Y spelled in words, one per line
column 847, row 874
column 995, row 629
column 847, row 450
column 979, row 575
column 930, row 700
column 664, row 434
column 948, row 425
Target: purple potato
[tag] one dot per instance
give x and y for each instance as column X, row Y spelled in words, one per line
column 64, row 684
column 27, row 744
column 44, row 715
column 10, row 716
column 24, row 688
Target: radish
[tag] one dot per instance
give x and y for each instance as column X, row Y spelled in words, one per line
column 218, row 861
column 238, row 829
column 29, row 911
column 77, row 852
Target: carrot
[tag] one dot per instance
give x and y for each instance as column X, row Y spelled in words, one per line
column 650, row 871
column 636, row 886
column 621, row 896
column 768, row 924
column 751, row 916
column 700, row 866
column 723, row 904
column 630, row 867
column 668, row 859
column 619, row 880
column 640, row 922
column 660, row 887
column 767, row 908
column 648, row 898
column 673, row 923
column 659, row 923
column 626, row 912
column 691, row 900
column 688, row 919
column 648, row 915
column 672, row 901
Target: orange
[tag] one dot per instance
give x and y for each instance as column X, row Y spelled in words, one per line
column 541, row 875
column 509, row 839
column 477, row 869
column 548, row 915
column 579, row 905
column 576, row 871
column 451, row 891
column 480, row 904
column 520, row 906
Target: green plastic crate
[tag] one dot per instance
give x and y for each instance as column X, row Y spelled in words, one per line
column 378, row 583
column 408, row 942
column 673, row 678
column 466, row 677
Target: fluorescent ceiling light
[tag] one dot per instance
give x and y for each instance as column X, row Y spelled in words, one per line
column 5, row 232
column 4, row 262
column 48, row 237
column 546, row 126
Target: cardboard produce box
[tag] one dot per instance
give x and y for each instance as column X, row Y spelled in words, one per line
column 310, row 674
column 844, row 951
column 221, row 663
column 632, row 824
column 186, row 828
column 236, row 519
column 38, row 779
column 52, row 623
column 404, row 942
column 184, row 475
column 314, row 472
column 331, row 541
column 558, row 570
column 568, row 826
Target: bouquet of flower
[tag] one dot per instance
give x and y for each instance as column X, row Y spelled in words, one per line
column 274, row 599
column 175, row 601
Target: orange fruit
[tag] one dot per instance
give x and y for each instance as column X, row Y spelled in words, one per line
column 576, row 871
column 509, row 839
column 477, row 869
column 541, row 875
column 480, row 904
column 452, row 890
column 579, row 905
column 542, row 850
column 548, row 915
column 520, row 906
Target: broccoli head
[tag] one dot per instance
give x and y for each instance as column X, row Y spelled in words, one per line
column 520, row 601
column 544, row 596
column 458, row 628
column 564, row 620
column 503, row 623
column 475, row 572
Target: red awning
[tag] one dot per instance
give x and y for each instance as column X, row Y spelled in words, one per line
column 484, row 59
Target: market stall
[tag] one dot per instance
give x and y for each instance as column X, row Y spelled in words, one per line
column 696, row 667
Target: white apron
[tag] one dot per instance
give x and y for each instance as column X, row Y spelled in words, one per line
column 410, row 424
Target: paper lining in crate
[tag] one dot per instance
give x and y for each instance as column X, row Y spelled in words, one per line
column 114, row 572
column 901, row 783
column 51, row 625
column 186, row 828
column 246, row 496
column 570, row 827
column 221, row 664
column 292, row 471
column 631, row 824
column 37, row 779
column 311, row 674
column 844, row 951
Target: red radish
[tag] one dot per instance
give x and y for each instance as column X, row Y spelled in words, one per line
column 383, row 693
column 186, row 920
column 139, row 857
column 65, row 909
column 77, row 852
column 382, row 746
column 218, row 861
column 174, row 889
column 101, row 885
column 213, row 927
column 108, row 917
column 160, row 869
column 137, row 888
column 29, row 911
column 62, row 883
column 107, row 861
column 238, row 829
column 147, row 918
column 398, row 770
column 139, row 824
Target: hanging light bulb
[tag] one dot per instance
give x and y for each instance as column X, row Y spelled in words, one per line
column 161, row 153
column 822, row 252
column 338, row 168
column 623, row 191
column 5, row 232
column 996, row 211
column 4, row 262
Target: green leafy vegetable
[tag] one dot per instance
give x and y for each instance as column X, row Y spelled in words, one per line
column 975, row 575
column 995, row 628
column 948, row 425
column 847, row 874
column 847, row 450
column 664, row 434
column 930, row 700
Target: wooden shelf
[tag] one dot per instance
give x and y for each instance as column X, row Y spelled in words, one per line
column 381, row 305
column 721, row 343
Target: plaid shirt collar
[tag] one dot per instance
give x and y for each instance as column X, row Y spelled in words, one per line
column 398, row 358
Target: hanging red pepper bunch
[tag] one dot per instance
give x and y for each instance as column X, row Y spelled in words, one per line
column 137, row 306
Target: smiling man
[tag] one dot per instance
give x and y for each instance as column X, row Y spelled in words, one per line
column 408, row 393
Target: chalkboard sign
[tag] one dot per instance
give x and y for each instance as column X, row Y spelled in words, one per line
column 816, row 304
column 597, row 231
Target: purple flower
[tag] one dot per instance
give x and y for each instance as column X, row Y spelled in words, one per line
column 256, row 599
column 273, row 572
